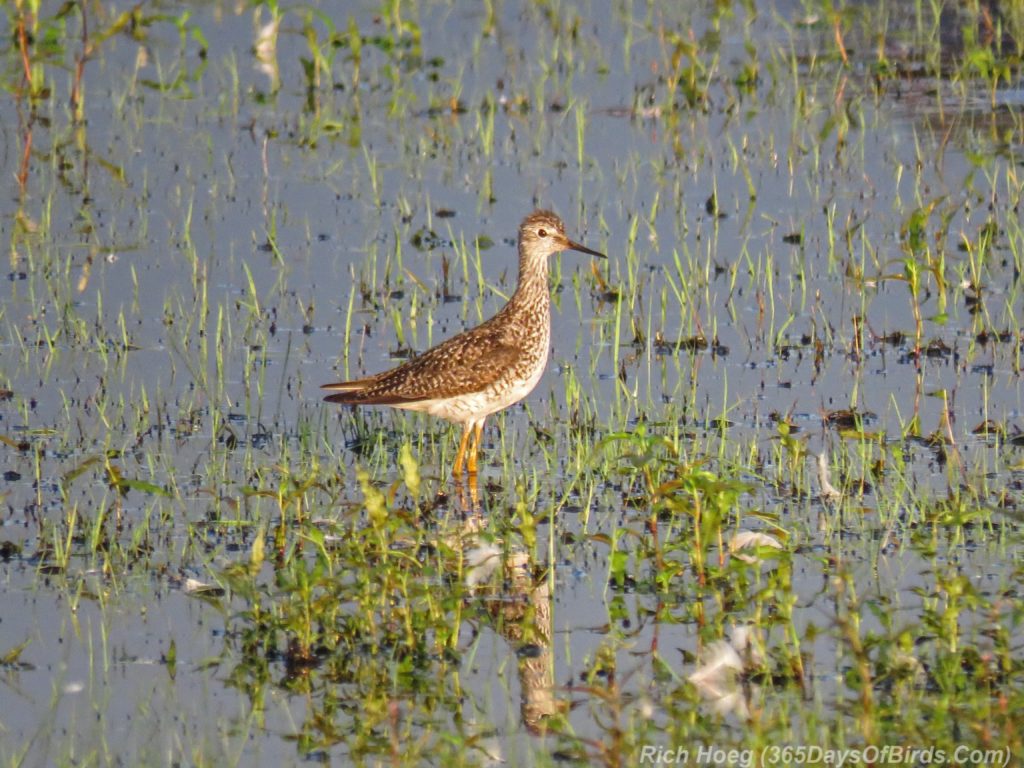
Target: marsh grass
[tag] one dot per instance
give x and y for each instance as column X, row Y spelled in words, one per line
column 768, row 493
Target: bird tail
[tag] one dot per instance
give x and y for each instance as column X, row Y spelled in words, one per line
column 346, row 392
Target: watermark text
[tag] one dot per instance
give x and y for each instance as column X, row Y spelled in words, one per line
column 889, row 754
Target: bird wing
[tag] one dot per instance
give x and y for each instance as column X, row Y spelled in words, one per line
column 463, row 364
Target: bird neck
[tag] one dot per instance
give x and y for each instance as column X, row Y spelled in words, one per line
column 532, row 291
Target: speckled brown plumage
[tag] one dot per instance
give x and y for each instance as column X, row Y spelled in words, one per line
column 487, row 368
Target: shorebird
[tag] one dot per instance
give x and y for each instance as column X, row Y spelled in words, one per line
column 484, row 369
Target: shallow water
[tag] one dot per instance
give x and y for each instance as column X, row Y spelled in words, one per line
column 189, row 262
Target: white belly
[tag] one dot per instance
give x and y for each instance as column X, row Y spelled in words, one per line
column 478, row 405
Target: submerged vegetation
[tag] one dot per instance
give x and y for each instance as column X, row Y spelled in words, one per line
column 767, row 495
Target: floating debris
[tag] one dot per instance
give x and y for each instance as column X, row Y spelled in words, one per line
column 751, row 541
column 828, row 491
column 481, row 563
column 196, row 587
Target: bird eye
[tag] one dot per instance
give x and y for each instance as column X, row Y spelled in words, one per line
column 542, row 233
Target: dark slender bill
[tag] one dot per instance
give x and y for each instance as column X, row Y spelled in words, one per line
column 583, row 249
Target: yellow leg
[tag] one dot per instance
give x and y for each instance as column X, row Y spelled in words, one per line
column 457, row 470
column 474, row 497
column 478, row 428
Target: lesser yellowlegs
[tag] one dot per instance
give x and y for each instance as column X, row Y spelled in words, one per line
column 485, row 369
